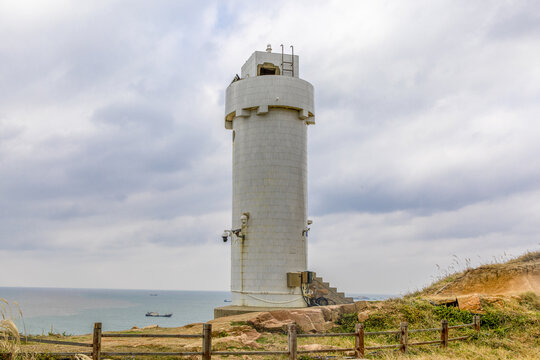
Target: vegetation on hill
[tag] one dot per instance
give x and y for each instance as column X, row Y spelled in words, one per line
column 512, row 277
column 510, row 329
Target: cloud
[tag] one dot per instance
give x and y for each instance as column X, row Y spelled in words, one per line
column 401, row 250
column 112, row 144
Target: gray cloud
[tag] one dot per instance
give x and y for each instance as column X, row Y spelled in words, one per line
column 520, row 19
column 112, row 142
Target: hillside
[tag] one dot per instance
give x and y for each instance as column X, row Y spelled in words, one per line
column 514, row 277
column 493, row 283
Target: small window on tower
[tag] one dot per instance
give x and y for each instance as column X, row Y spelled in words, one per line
column 267, row 69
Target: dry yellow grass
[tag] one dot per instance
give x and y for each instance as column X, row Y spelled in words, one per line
column 514, row 277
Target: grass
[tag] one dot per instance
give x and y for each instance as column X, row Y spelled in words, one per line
column 10, row 340
column 510, row 329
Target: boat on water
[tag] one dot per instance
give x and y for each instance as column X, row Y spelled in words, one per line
column 155, row 314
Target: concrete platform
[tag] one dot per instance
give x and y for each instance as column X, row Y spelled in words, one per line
column 237, row 310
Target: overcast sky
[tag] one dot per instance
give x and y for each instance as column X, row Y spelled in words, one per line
column 115, row 167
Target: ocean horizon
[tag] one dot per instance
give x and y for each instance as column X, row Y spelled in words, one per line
column 72, row 311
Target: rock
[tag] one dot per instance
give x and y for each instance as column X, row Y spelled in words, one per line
column 155, row 326
column 308, row 320
column 361, row 305
column 246, row 338
column 312, row 319
column 316, row 347
column 336, row 311
column 363, row 316
column 471, row 303
column 311, row 347
column 497, row 301
column 268, row 322
column 348, row 308
column 326, row 313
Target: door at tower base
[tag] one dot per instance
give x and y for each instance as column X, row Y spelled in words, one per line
column 268, row 113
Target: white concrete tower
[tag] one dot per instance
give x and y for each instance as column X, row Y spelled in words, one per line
column 268, row 109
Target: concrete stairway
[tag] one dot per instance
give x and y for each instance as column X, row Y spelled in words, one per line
column 324, row 289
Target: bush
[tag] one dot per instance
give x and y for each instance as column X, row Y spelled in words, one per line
column 347, row 322
column 417, row 313
column 531, row 300
column 454, row 315
column 379, row 321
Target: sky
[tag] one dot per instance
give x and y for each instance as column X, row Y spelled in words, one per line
column 115, row 166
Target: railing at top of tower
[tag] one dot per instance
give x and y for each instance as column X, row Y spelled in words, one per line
column 283, row 62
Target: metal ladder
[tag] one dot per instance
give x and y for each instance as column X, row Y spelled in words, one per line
column 283, row 62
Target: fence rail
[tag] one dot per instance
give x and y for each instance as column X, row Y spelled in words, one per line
column 47, row 341
column 152, row 336
column 206, row 353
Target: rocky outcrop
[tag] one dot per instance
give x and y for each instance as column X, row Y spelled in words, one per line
column 238, row 336
column 313, row 319
column 471, row 303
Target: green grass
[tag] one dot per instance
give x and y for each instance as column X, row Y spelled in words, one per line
column 239, row 323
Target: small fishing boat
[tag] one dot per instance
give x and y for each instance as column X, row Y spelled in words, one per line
column 155, row 314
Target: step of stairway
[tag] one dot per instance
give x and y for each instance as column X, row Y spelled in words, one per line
column 337, row 296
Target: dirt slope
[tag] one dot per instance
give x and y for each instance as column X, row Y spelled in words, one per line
column 514, row 277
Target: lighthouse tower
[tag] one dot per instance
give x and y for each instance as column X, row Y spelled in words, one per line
column 268, row 110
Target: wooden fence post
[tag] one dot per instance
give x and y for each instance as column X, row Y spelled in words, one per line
column 404, row 336
column 359, row 350
column 291, row 335
column 96, row 342
column 444, row 333
column 207, row 342
column 476, row 322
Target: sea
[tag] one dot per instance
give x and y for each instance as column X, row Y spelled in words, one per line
column 40, row 311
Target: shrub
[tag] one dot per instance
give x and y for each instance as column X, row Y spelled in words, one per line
column 347, row 322
column 416, row 313
column 378, row 321
column 454, row 315
column 531, row 300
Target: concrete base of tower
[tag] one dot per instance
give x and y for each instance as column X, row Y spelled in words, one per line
column 238, row 310
column 267, row 300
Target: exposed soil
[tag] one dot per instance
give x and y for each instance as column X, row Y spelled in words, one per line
column 512, row 278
